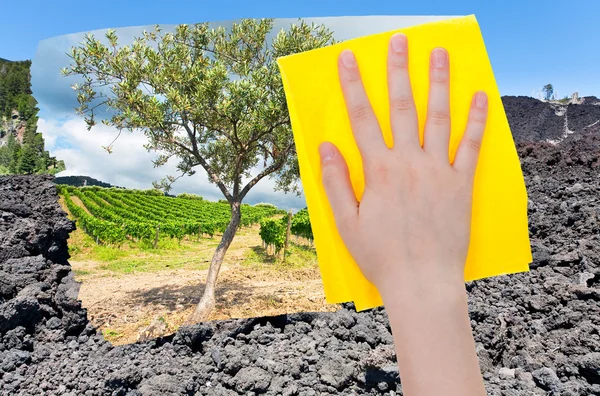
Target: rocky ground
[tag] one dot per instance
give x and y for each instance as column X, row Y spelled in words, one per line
column 537, row 333
column 532, row 120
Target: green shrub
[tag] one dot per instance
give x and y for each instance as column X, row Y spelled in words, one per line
column 264, row 205
column 190, row 196
column 153, row 192
column 301, row 225
column 272, row 232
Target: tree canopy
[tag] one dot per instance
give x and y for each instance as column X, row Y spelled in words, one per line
column 208, row 97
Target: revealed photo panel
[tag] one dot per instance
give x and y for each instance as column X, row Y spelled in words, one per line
column 188, row 160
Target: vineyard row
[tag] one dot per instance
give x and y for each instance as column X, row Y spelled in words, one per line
column 113, row 215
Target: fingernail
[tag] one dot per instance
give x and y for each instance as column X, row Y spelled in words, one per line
column 326, row 152
column 439, row 57
column 348, row 59
column 481, row 100
column 398, row 42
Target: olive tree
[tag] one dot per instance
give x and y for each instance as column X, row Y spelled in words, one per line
column 208, row 97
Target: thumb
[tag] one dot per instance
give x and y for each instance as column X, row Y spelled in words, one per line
column 336, row 180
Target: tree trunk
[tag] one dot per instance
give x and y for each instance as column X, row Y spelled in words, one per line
column 287, row 234
column 207, row 302
column 156, row 237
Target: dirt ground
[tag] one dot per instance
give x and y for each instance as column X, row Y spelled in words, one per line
column 123, row 306
column 133, row 306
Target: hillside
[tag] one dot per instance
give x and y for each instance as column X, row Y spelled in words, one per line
column 22, row 148
column 532, row 120
column 80, row 181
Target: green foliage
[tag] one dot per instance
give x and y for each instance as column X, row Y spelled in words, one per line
column 548, row 91
column 56, row 166
column 190, row 196
column 15, row 88
column 138, row 214
column 101, row 230
column 153, row 192
column 14, row 151
column 7, row 151
column 272, row 232
column 29, row 156
column 301, row 225
column 26, row 164
column 79, row 181
column 264, row 205
column 89, row 188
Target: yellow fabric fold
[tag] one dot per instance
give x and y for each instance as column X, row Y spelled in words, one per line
column 499, row 237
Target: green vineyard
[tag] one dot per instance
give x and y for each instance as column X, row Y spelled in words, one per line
column 112, row 215
column 273, row 231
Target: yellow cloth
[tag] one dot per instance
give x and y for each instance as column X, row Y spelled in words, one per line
column 500, row 237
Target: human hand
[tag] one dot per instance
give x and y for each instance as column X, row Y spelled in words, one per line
column 410, row 232
column 412, row 225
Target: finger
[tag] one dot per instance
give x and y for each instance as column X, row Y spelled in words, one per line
column 365, row 125
column 467, row 154
column 336, row 180
column 437, row 125
column 403, row 114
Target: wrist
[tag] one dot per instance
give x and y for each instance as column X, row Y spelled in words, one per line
column 431, row 293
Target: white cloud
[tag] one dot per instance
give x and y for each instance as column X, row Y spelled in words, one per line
column 130, row 165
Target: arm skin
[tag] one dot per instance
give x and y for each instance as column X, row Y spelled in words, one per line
column 410, row 232
column 434, row 344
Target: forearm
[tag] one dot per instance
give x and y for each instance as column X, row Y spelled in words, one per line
column 433, row 338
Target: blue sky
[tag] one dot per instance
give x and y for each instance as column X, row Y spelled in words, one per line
column 530, row 43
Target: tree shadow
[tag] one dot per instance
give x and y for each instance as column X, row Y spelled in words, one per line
column 172, row 297
column 307, row 247
column 263, row 256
